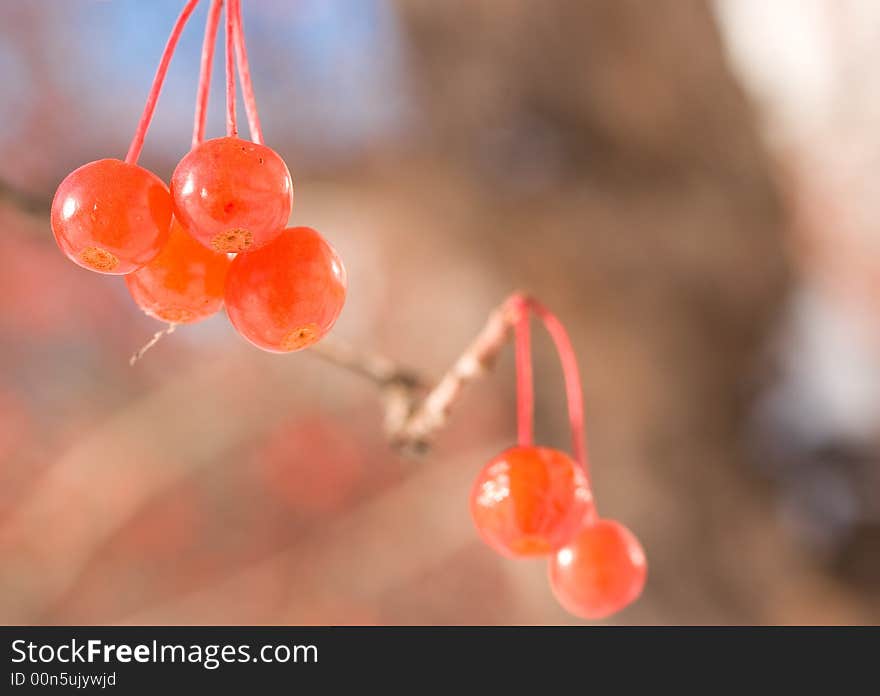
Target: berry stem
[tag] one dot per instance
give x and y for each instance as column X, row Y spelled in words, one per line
column 231, row 121
column 244, row 74
column 572, row 377
column 212, row 24
column 525, row 397
column 137, row 143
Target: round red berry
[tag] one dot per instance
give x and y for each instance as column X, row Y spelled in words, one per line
column 600, row 571
column 287, row 295
column 529, row 501
column 110, row 216
column 232, row 195
column 185, row 283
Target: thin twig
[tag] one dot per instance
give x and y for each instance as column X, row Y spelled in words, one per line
column 414, row 413
column 167, row 331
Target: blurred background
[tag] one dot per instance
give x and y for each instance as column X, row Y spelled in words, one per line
column 689, row 185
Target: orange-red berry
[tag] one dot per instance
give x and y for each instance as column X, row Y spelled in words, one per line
column 287, row 295
column 232, row 195
column 110, row 216
column 185, row 283
column 529, row 501
column 600, row 571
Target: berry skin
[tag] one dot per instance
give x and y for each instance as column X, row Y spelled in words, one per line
column 184, row 283
column 287, row 295
column 530, row 501
column 110, row 216
column 232, row 195
column 600, row 571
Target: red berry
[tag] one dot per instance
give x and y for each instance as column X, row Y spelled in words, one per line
column 184, row 283
column 529, row 501
column 110, row 216
column 600, row 572
column 232, row 195
column 287, row 295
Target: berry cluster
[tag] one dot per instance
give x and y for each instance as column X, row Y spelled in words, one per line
column 534, row 501
column 219, row 235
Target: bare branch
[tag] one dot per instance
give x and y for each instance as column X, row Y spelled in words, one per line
column 376, row 368
column 413, row 412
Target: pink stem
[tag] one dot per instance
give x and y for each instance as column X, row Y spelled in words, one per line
column 572, row 377
column 571, row 374
column 137, row 143
column 208, row 45
column 525, row 396
column 244, row 74
column 231, row 122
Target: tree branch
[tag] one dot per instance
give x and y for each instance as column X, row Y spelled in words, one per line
column 414, row 412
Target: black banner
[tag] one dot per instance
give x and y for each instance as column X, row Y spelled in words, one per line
column 328, row 660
